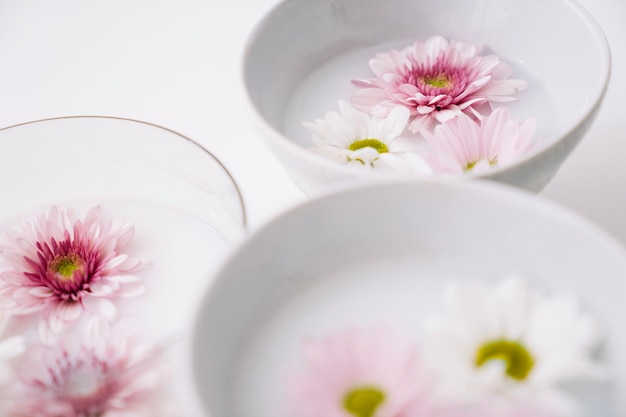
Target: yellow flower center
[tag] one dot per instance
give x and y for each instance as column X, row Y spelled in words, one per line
column 438, row 81
column 517, row 359
column 363, row 401
column 471, row 165
column 65, row 266
column 371, row 143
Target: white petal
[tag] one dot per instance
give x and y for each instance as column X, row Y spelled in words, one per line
column 393, row 125
column 512, row 303
column 133, row 290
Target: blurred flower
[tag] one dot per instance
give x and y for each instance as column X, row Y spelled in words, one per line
column 464, row 145
column 354, row 138
column 10, row 348
column 102, row 375
column 59, row 266
column 436, row 80
column 504, row 348
column 359, row 372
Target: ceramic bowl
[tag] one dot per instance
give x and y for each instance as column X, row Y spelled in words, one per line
column 301, row 58
column 381, row 252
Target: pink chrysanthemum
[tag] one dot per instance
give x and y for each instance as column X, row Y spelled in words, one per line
column 464, row 145
column 60, row 266
column 359, row 372
column 106, row 376
column 437, row 80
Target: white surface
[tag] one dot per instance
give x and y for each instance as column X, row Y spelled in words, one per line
column 177, row 63
column 391, row 249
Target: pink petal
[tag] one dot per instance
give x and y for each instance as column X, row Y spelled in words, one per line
column 41, row 292
column 124, row 279
column 54, row 320
column 101, row 289
column 133, row 289
column 100, row 307
column 69, row 310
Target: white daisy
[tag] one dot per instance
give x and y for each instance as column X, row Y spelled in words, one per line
column 354, row 138
column 511, row 347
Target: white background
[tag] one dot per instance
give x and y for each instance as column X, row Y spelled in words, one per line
column 177, row 63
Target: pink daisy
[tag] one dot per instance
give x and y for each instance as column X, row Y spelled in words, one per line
column 359, row 372
column 464, row 145
column 436, row 80
column 104, row 376
column 59, row 266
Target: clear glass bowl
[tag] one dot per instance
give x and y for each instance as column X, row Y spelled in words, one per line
column 186, row 209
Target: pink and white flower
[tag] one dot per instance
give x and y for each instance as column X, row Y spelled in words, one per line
column 464, row 145
column 59, row 266
column 359, row 372
column 436, row 80
column 106, row 375
column 355, row 138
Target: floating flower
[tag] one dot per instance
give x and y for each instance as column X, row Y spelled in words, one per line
column 436, row 80
column 108, row 375
column 354, row 138
column 359, row 372
column 464, row 145
column 503, row 347
column 60, row 266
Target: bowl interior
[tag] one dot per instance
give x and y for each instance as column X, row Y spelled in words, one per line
column 382, row 252
column 302, row 57
column 69, row 158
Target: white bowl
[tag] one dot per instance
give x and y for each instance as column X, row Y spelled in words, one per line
column 300, row 59
column 382, row 252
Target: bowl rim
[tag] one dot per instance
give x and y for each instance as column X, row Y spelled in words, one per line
column 240, row 199
column 282, row 142
column 490, row 189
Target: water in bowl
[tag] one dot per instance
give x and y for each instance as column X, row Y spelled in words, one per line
column 184, row 251
column 354, row 293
